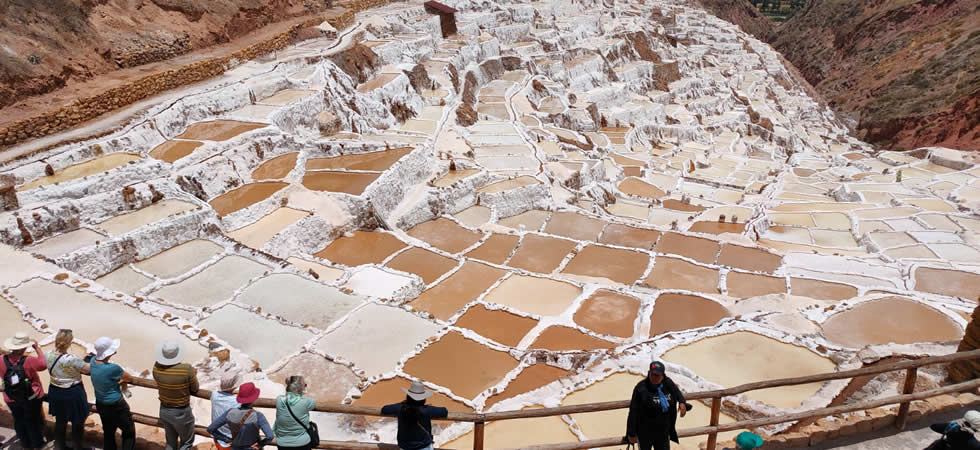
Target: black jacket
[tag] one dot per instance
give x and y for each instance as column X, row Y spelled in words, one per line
column 647, row 418
column 956, row 438
column 419, row 434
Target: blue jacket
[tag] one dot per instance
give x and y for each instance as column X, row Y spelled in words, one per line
column 413, row 436
column 247, row 434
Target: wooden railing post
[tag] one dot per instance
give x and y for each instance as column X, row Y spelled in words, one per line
column 715, row 413
column 903, row 408
column 478, row 436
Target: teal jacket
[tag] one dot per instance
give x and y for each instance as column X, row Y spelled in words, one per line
column 288, row 432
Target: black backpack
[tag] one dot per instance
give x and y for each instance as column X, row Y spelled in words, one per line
column 22, row 391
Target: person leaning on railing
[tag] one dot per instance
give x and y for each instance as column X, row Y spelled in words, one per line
column 108, row 380
column 221, row 401
column 244, row 422
column 67, row 400
column 176, row 381
column 415, row 418
column 653, row 410
column 294, row 429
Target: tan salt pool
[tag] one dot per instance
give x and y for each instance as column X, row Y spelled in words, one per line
column 179, row 259
column 219, row 130
column 244, row 196
column 317, row 369
column 627, row 236
column 258, row 233
column 464, row 366
column 745, row 357
column 887, row 320
column 374, row 161
column 699, row 249
column 130, row 221
column 445, row 235
column 640, row 188
column 214, row 284
column 172, row 151
column 453, row 176
column 531, row 220
column 754, row 259
column 276, row 168
column 717, row 227
column 822, row 290
column 428, row 265
column 617, row 265
column 744, row 285
column 81, row 170
column 364, row 247
column 541, row 254
column 673, row 273
column 609, row 312
column 496, row 324
column 496, row 249
column 285, row 96
column 299, row 299
column 463, row 286
column 529, row 379
column 953, row 283
column 377, row 82
column 347, row 182
column 574, row 226
column 541, row 296
column 677, row 312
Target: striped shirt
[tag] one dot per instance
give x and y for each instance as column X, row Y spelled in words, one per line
column 175, row 384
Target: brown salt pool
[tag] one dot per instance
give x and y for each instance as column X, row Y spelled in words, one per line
column 466, row 367
column 620, row 266
column 753, row 259
column 390, row 391
column 463, row 286
column 529, row 379
column 640, row 188
column 428, row 265
column 496, row 249
column 374, row 161
column 350, row 183
column 887, row 320
column 953, row 283
column 821, row 290
column 558, row 338
column 627, row 236
column 445, row 235
column 244, row 196
column 171, row 151
column 364, row 247
column 676, row 312
column 673, row 273
column 81, row 170
column 717, row 227
column 608, row 312
column 575, row 226
column 744, row 285
column 499, row 325
column 678, row 205
column 699, row 249
column 219, row 130
column 541, row 253
column 275, row 168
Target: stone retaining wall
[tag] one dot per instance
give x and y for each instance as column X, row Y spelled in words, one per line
column 88, row 108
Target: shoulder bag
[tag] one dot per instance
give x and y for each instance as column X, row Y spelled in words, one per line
column 312, row 430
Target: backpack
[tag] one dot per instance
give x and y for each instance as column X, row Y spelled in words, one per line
column 21, row 390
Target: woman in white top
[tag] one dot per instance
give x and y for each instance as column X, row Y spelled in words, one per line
column 67, row 400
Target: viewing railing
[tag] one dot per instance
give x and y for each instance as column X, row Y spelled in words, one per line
column 712, row 429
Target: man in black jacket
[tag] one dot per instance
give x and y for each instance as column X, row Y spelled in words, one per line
column 653, row 410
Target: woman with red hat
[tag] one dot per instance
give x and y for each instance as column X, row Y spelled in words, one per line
column 244, row 422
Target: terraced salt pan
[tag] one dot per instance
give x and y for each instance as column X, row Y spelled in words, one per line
column 677, row 312
column 507, row 185
column 822, row 290
column 373, row 161
column 426, row 264
column 218, row 130
column 62, row 244
column 613, row 264
column 444, row 234
column 574, row 226
column 744, row 357
column 559, row 338
column 541, row 296
column 887, row 320
column 363, row 247
column 499, row 325
column 674, row 273
column 81, row 170
column 174, row 150
column 244, row 196
column 453, row 176
column 531, row 220
column 745, row 285
column 327, row 381
column 461, row 287
column 62, row 307
column 249, row 332
column 627, row 236
column 258, row 233
column 474, row 216
column 466, row 367
column 177, row 260
column 299, row 300
column 346, row 182
column 379, row 283
column 953, row 283
column 286, row 96
column 125, row 280
column 530, row 378
column 144, row 216
column 608, row 312
column 389, row 332
column 541, row 254
column 390, row 391
column 276, row 168
column 640, row 188
column 213, row 284
column 496, row 249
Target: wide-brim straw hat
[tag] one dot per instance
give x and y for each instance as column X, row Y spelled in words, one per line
column 170, row 352
column 973, row 419
column 417, row 391
column 19, row 341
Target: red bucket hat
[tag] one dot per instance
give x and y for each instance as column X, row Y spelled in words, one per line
column 247, row 393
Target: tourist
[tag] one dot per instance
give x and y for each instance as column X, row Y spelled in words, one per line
column 221, row 402
column 747, row 441
column 653, row 410
column 108, row 381
column 67, row 400
column 22, row 389
column 958, row 434
column 294, row 430
column 244, row 422
column 415, row 418
column 176, row 381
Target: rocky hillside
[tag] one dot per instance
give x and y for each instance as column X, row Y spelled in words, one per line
column 906, row 73
column 45, row 44
column 743, row 14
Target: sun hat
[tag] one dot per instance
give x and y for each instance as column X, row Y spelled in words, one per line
column 19, row 341
column 105, row 347
column 247, row 393
column 748, row 441
column 170, row 352
column 229, row 381
column 417, row 391
column 658, row 368
column 973, row 419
